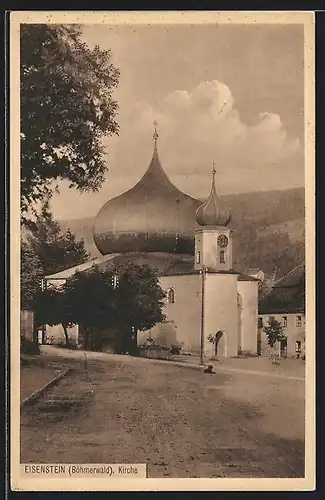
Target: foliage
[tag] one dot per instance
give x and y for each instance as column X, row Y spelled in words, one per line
column 139, row 296
column 132, row 302
column 51, row 307
column 66, row 110
column 46, row 250
column 56, row 249
column 175, row 349
column 29, row 347
column 31, row 272
column 274, row 332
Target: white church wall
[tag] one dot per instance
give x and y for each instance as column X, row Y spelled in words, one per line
column 183, row 316
column 248, row 291
column 221, row 311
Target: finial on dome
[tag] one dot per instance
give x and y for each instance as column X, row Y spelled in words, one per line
column 155, row 134
column 213, row 212
column 213, row 173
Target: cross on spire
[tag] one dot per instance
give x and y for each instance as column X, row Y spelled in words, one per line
column 213, row 172
column 155, row 134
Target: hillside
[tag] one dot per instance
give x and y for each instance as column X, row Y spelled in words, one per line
column 268, row 229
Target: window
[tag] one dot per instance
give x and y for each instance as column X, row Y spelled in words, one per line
column 298, row 346
column 222, row 257
column 170, row 296
column 115, row 281
column 298, row 320
column 260, row 322
column 285, row 321
column 198, row 257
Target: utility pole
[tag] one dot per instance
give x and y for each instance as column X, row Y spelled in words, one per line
column 203, row 272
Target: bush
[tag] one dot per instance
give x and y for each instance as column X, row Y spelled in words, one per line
column 29, row 347
column 175, row 349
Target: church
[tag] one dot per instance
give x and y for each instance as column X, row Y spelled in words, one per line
column 210, row 307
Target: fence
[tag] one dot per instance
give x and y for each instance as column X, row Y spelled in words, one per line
column 155, row 352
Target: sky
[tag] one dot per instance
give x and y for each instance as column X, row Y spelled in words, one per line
column 232, row 94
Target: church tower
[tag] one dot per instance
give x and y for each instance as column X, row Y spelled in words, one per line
column 213, row 239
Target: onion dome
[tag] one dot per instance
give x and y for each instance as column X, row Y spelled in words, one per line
column 213, row 212
column 153, row 216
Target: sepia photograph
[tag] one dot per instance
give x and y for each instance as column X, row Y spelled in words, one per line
column 162, row 250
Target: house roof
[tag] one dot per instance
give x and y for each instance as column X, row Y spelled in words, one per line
column 293, row 278
column 253, row 270
column 287, row 295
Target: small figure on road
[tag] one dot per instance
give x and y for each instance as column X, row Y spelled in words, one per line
column 209, row 369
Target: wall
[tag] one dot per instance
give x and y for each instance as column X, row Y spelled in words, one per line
column 221, row 311
column 55, row 334
column 248, row 291
column 27, row 324
column 206, row 244
column 183, row 317
column 293, row 333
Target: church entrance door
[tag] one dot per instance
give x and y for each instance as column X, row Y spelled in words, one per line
column 220, row 344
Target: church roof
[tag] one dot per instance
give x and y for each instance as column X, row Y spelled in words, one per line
column 165, row 264
column 214, row 211
column 153, row 216
column 67, row 273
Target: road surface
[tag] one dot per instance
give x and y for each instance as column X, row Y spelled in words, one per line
column 178, row 420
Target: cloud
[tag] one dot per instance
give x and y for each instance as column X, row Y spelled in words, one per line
column 196, row 128
column 201, row 126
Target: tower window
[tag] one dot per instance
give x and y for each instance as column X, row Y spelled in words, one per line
column 222, row 257
column 198, row 257
column 170, row 296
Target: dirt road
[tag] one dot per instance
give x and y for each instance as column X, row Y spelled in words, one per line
column 178, row 420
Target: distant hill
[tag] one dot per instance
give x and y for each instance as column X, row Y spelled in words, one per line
column 268, row 229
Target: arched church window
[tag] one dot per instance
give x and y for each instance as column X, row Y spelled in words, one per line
column 239, row 300
column 222, row 257
column 198, row 257
column 170, row 296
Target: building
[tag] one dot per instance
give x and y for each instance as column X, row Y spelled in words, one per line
column 256, row 272
column 210, row 306
column 286, row 303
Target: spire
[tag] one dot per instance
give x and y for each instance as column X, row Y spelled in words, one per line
column 213, row 212
column 213, row 174
column 155, row 134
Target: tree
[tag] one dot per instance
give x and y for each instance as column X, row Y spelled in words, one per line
column 46, row 249
column 139, row 298
column 274, row 333
column 66, row 110
column 31, row 272
column 128, row 299
column 52, row 307
column 91, row 301
column 56, row 249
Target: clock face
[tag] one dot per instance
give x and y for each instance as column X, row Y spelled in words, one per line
column 222, row 241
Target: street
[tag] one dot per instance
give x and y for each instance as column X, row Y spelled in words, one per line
column 178, row 420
